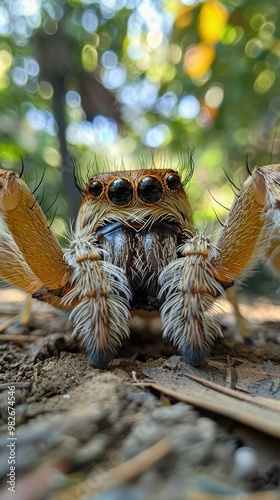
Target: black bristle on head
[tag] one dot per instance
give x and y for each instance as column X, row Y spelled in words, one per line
column 79, row 181
column 247, row 165
column 186, row 170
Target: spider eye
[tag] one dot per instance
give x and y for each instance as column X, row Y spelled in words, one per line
column 173, row 182
column 95, row 188
column 120, row 192
column 149, row 189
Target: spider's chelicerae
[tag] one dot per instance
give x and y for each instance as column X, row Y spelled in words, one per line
column 135, row 247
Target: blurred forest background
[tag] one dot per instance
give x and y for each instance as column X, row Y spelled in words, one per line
column 117, row 78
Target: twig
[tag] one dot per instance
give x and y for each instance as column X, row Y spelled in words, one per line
column 265, row 418
column 18, row 338
column 17, row 385
column 7, row 323
column 134, row 377
column 229, row 373
column 119, row 474
column 261, row 495
column 256, row 400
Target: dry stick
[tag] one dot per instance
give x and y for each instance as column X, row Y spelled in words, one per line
column 256, row 400
column 21, row 318
column 246, row 417
column 18, row 338
column 118, row 475
column 17, row 385
column 229, row 374
column 261, row 495
column 10, row 308
column 6, row 324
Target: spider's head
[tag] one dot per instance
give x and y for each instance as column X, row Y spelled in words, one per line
column 137, row 219
column 135, row 197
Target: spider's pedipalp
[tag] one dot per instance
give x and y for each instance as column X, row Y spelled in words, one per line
column 188, row 291
column 101, row 317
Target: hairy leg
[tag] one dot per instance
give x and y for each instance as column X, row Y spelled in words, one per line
column 252, row 219
column 188, row 292
column 190, row 284
column 30, row 231
column 101, row 316
column 13, row 267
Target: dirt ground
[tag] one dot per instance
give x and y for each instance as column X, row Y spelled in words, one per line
column 147, row 427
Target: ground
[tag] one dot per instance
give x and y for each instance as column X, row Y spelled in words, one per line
column 147, row 427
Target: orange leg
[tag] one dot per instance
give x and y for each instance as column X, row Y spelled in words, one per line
column 13, row 267
column 272, row 253
column 29, row 229
column 254, row 214
column 191, row 284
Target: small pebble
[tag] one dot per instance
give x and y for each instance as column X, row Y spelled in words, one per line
column 204, row 486
column 120, row 493
column 246, row 461
column 92, row 450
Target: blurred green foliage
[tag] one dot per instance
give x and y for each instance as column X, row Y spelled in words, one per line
column 126, row 77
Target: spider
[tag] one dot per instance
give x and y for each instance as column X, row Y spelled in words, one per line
column 135, row 247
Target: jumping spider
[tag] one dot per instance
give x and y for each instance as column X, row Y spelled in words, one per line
column 135, row 247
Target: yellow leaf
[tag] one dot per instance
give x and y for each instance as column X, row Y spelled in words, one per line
column 212, row 21
column 198, row 59
column 184, row 17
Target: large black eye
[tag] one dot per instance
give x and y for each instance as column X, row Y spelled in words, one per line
column 149, row 189
column 120, row 192
column 173, row 182
column 95, row 188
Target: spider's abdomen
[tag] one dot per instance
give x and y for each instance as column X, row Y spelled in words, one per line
column 142, row 253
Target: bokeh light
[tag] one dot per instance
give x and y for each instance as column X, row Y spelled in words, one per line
column 199, row 59
column 212, row 21
column 117, row 76
column 189, row 107
column 156, row 136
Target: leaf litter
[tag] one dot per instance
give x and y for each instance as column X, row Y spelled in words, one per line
column 148, row 427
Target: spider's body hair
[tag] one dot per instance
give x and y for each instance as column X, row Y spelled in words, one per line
column 184, row 166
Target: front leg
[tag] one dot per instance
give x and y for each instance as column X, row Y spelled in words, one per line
column 188, row 292
column 13, row 268
column 101, row 317
column 40, row 253
column 252, row 228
